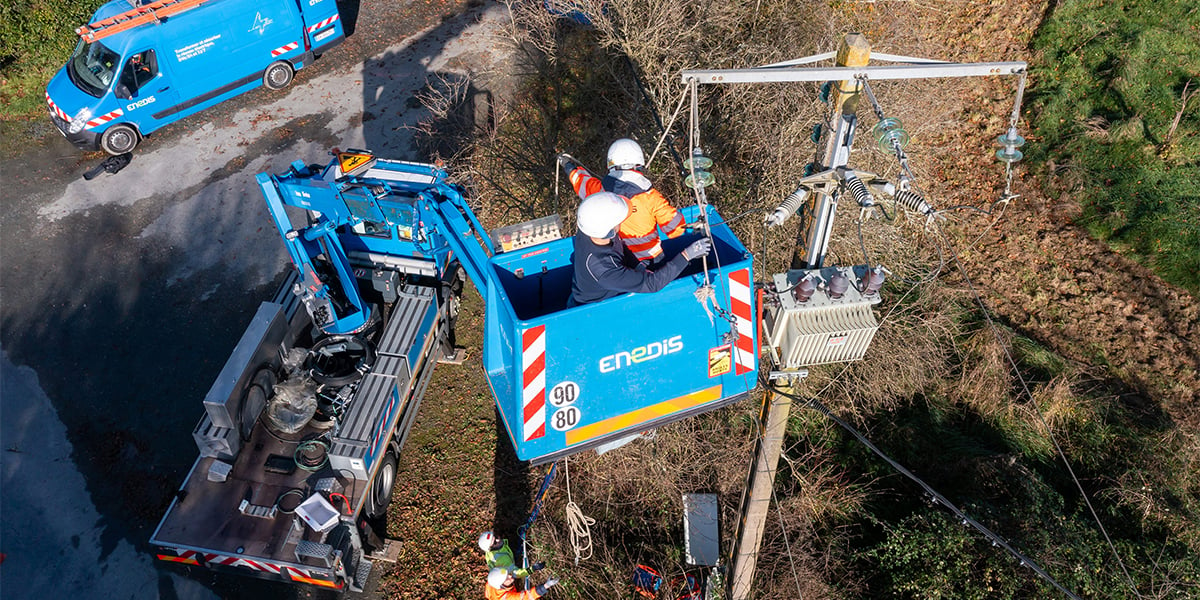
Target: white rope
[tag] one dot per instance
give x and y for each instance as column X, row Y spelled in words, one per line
column 579, row 524
column 667, row 129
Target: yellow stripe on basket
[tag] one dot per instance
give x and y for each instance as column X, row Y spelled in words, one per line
column 642, row 415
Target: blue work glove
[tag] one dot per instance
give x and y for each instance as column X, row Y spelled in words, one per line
column 537, row 566
column 699, row 248
column 541, row 589
column 567, row 162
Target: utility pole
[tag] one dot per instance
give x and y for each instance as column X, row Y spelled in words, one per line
column 812, row 240
column 812, row 243
column 817, row 196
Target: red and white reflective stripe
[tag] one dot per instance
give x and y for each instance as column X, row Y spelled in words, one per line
column 285, row 49
column 102, row 119
column 313, row 28
column 739, row 300
column 237, row 561
column 54, row 109
column 533, row 377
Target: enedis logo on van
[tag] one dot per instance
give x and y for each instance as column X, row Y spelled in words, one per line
column 139, row 103
column 641, row 354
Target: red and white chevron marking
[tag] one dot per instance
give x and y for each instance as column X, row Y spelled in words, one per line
column 312, row 28
column 102, row 119
column 533, row 376
column 237, row 561
column 285, row 49
column 739, row 300
column 55, row 110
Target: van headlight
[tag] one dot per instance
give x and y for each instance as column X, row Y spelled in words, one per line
column 81, row 118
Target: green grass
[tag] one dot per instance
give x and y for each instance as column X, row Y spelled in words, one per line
column 38, row 37
column 1108, row 109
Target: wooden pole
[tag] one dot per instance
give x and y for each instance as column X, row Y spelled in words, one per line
column 811, row 244
column 756, row 500
column 812, row 240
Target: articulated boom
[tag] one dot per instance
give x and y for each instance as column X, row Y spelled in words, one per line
column 399, row 215
column 564, row 378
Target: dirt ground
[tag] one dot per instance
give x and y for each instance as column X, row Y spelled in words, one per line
column 1037, row 267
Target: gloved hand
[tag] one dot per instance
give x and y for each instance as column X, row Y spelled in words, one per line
column 567, row 162
column 553, row 581
column 537, row 566
column 699, row 248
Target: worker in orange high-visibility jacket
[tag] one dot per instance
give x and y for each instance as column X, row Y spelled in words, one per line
column 648, row 209
column 502, row 585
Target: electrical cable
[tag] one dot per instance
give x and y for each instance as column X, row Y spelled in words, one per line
column 996, row 540
column 311, row 463
column 637, row 78
column 353, row 481
column 280, row 497
column 787, row 546
column 1041, row 417
column 667, row 129
column 345, row 501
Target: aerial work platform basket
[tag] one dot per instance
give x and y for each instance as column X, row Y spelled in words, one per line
column 568, row 379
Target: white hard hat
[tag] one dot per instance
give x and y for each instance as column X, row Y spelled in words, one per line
column 625, row 154
column 497, row 576
column 601, row 213
column 485, row 540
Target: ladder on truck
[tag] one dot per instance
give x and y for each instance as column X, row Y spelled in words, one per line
column 134, row 17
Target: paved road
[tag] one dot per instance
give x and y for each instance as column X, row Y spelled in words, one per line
column 121, row 297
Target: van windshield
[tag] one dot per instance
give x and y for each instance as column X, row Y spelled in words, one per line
column 92, row 67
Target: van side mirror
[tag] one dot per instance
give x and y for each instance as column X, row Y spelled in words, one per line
column 122, row 91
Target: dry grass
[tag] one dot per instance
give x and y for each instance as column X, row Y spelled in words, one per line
column 933, row 351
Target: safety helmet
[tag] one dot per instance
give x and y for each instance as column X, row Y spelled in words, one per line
column 625, row 154
column 497, row 576
column 601, row 213
column 486, row 539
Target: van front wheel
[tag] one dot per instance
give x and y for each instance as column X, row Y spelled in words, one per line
column 118, row 139
column 278, row 75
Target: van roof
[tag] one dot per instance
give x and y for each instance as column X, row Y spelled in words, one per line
column 122, row 15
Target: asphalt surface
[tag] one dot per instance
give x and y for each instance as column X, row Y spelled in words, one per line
column 121, row 297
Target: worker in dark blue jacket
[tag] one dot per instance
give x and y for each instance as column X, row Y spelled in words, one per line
column 600, row 269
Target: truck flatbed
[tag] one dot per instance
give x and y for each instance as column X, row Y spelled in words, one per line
column 246, row 518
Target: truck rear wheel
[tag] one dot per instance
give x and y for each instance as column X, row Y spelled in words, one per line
column 119, row 139
column 278, row 75
column 380, row 495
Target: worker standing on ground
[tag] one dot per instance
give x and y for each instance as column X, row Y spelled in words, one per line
column 648, row 209
column 502, row 585
column 599, row 262
column 497, row 554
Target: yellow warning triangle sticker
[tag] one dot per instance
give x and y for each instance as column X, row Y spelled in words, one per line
column 353, row 163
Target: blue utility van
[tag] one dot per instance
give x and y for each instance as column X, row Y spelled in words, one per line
column 139, row 66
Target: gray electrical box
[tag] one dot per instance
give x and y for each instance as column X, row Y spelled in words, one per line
column 701, row 536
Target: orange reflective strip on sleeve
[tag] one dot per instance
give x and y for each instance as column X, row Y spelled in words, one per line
column 643, row 248
column 674, row 227
column 585, row 183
